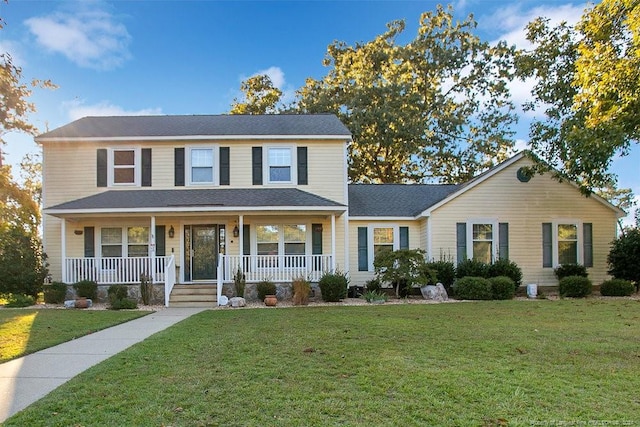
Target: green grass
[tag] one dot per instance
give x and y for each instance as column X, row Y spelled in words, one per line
column 24, row 331
column 463, row 364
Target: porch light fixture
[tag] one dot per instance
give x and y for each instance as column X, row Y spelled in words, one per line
column 172, row 232
column 77, row 232
column 236, row 231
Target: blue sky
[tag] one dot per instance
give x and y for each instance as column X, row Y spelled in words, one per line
column 189, row 57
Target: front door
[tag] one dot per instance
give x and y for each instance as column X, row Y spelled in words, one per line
column 202, row 244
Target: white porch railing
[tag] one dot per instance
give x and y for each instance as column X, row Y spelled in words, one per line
column 108, row 271
column 277, row 268
column 170, row 279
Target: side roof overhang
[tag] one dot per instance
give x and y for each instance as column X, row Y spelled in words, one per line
column 119, row 202
column 498, row 168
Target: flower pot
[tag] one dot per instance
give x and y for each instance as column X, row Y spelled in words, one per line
column 270, row 300
column 82, row 303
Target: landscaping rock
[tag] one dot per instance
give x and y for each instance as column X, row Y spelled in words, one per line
column 434, row 293
column 70, row 303
column 238, row 302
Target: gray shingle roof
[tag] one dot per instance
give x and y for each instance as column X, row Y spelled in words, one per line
column 211, row 125
column 403, row 200
column 204, row 198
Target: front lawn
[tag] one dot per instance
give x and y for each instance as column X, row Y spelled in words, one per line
column 24, row 331
column 461, row 364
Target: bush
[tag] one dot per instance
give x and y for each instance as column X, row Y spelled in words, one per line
column 403, row 269
column 240, row 282
column 575, row 286
column 117, row 292
column 301, row 289
column 445, row 273
column 617, row 288
column 124, row 304
column 19, row 300
column 473, row 288
column 264, row 288
column 566, row 270
column 55, row 293
column 373, row 285
column 371, row 296
column 502, row 287
column 473, row 268
column 333, row 286
column 624, row 255
column 504, row 267
column 86, row 289
column 23, row 265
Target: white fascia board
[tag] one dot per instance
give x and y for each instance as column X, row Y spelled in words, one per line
column 196, row 209
column 382, row 218
column 500, row 167
column 192, row 138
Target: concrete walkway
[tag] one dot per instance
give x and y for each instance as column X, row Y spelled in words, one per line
column 29, row 378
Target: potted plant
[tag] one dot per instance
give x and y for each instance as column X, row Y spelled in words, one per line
column 267, row 292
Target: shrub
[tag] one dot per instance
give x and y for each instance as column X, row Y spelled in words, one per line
column 117, row 292
column 19, row 300
column 575, row 286
column 624, row 255
column 124, row 304
column 617, row 288
column 566, row 270
column 146, row 289
column 403, row 268
column 473, row 268
column 301, row 289
column 445, row 273
column 55, row 293
column 502, row 287
column 264, row 288
column 371, row 296
column 333, row 286
column 504, row 267
column 240, row 281
column 373, row 285
column 473, row 288
column 86, row 289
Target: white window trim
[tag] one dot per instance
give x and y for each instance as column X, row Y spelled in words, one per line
column 308, row 236
column 137, row 167
column 495, row 243
column 370, row 251
column 554, row 239
column 216, row 165
column 294, row 164
column 124, row 244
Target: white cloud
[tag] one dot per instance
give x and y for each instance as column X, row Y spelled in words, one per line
column 77, row 109
column 277, row 78
column 90, row 38
column 12, row 49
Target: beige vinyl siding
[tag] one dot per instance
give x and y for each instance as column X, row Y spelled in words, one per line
column 525, row 206
column 416, row 240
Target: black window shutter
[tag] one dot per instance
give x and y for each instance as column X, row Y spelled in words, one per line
column 363, row 255
column 503, row 245
column 587, row 244
column 89, row 242
column 179, row 167
column 146, row 167
column 404, row 237
column 547, row 257
column 246, row 242
column 461, row 241
column 256, row 162
column 316, row 239
column 224, row 166
column 160, row 240
column 101, row 167
column 303, row 175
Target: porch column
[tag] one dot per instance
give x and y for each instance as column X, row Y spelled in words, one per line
column 241, row 236
column 333, row 243
column 152, row 249
column 63, row 249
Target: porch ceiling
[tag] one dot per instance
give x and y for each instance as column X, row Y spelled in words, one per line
column 198, row 200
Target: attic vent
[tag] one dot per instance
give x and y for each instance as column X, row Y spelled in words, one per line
column 523, row 174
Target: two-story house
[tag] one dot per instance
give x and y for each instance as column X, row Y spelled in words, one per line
column 192, row 199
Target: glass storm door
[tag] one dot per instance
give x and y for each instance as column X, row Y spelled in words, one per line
column 202, row 245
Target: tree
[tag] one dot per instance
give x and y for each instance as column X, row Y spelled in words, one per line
column 588, row 85
column 403, row 268
column 260, row 96
column 624, row 255
column 435, row 108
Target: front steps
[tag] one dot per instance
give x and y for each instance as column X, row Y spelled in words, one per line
column 200, row 295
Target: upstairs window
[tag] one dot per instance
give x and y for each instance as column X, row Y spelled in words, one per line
column 279, row 165
column 125, row 166
column 202, row 166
